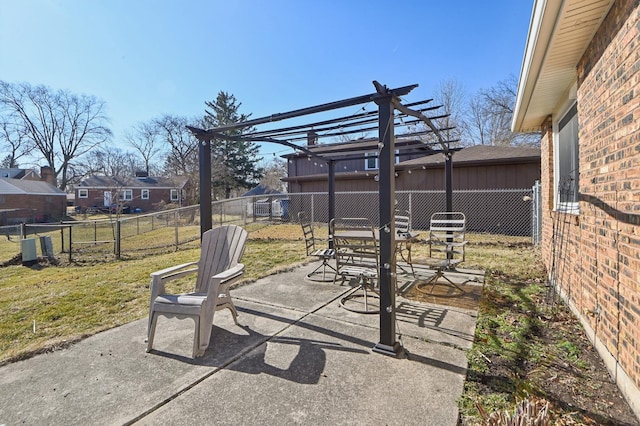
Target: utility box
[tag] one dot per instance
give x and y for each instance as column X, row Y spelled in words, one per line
column 46, row 246
column 29, row 254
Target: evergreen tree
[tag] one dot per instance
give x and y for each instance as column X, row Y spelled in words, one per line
column 234, row 163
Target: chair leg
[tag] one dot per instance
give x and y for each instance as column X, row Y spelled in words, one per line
column 151, row 330
column 433, row 281
column 231, row 307
column 197, row 350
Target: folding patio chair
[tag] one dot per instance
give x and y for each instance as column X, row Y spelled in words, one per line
column 325, row 255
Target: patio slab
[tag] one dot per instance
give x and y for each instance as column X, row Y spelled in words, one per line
column 297, row 357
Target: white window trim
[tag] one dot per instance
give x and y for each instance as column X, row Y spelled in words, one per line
column 177, row 195
column 83, row 191
column 570, row 207
column 366, row 160
column 144, row 192
column 126, row 195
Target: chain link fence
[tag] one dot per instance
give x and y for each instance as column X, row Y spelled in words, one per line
column 503, row 212
column 498, row 211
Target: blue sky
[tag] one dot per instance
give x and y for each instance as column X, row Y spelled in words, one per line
column 148, row 58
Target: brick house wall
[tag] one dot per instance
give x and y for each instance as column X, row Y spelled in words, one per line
column 593, row 257
column 95, row 198
column 39, row 208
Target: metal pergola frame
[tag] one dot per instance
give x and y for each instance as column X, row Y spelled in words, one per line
column 388, row 101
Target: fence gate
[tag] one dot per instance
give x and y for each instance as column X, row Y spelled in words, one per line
column 536, row 213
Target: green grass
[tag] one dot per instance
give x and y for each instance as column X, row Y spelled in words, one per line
column 44, row 307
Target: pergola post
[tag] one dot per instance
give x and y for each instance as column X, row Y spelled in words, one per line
column 448, row 178
column 332, row 195
column 386, row 198
column 204, row 159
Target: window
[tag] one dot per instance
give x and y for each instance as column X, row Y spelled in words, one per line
column 126, row 195
column 566, row 162
column 83, row 193
column 144, row 194
column 5, row 174
column 371, row 163
column 174, row 195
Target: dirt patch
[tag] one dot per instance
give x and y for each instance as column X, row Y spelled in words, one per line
column 466, row 296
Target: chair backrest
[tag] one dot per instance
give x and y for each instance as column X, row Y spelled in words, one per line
column 446, row 230
column 356, row 245
column 402, row 221
column 307, row 230
column 222, row 248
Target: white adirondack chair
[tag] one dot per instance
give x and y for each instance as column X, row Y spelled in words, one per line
column 219, row 266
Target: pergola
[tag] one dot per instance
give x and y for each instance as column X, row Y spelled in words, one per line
column 387, row 101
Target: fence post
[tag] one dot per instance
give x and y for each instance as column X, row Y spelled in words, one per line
column 313, row 219
column 175, row 221
column 23, row 230
column 117, row 241
column 70, row 242
column 137, row 225
column 62, row 236
column 95, row 231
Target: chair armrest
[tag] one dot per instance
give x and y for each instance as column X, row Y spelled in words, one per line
column 159, row 278
column 230, row 273
column 174, row 272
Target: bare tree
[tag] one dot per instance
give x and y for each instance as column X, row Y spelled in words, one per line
column 182, row 157
column 61, row 125
column 451, row 117
column 274, row 171
column 13, row 140
column 145, row 139
column 490, row 114
column 110, row 161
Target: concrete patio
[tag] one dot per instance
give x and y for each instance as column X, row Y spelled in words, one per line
column 297, row 358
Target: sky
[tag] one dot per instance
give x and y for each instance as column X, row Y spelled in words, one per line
column 148, row 58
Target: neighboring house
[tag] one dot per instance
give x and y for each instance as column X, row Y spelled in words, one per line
column 485, row 178
column 580, row 86
column 144, row 192
column 474, row 167
column 17, row 173
column 25, row 201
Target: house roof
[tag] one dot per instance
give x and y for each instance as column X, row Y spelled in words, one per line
column 28, row 187
column 478, row 154
column 559, row 34
column 110, row 182
column 17, row 173
column 469, row 156
column 261, row 190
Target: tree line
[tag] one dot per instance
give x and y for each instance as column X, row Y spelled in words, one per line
column 70, row 133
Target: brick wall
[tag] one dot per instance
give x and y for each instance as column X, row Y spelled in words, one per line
column 594, row 257
column 40, row 208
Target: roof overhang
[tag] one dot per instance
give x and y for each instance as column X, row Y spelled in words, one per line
column 559, row 33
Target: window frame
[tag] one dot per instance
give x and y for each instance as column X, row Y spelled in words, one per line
column 376, row 154
column 177, row 195
column 126, row 195
column 81, row 191
column 566, row 130
column 145, row 194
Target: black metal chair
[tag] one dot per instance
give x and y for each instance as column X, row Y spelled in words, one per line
column 325, row 255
